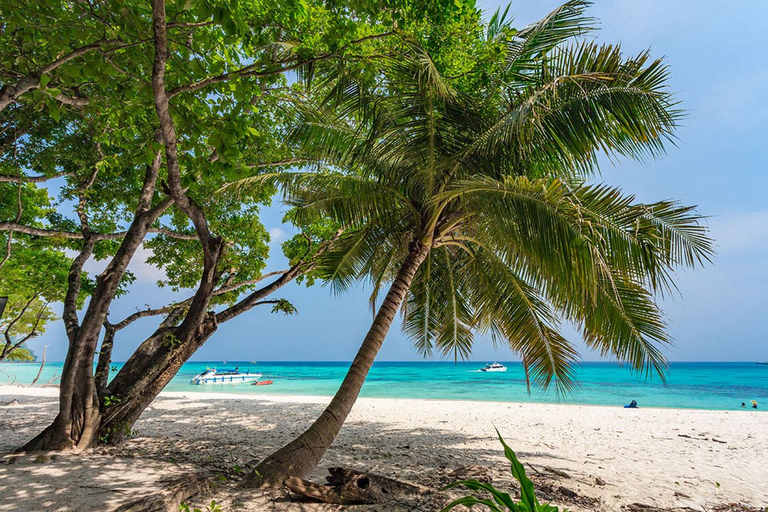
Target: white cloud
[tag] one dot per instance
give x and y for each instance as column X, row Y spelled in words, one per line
column 277, row 235
column 145, row 272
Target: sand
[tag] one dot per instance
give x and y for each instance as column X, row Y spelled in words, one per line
column 612, row 456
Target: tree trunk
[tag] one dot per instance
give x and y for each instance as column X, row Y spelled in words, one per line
column 105, row 359
column 159, row 358
column 145, row 375
column 77, row 423
column 303, row 454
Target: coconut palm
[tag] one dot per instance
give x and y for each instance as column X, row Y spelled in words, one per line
column 475, row 208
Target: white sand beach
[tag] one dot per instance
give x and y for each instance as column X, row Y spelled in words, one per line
column 611, row 457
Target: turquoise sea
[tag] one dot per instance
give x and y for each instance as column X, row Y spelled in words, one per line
column 689, row 385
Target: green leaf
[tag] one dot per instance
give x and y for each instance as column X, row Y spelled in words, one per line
column 527, row 492
column 53, row 111
column 470, row 501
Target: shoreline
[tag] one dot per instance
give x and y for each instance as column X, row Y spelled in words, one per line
column 52, row 391
column 656, row 456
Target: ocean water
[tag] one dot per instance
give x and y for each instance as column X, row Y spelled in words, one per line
column 721, row 386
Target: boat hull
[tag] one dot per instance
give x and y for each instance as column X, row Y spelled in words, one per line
column 226, row 379
column 493, row 369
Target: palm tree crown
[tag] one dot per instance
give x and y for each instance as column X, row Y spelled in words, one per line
column 492, row 184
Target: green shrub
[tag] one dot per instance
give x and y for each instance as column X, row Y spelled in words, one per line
column 502, row 501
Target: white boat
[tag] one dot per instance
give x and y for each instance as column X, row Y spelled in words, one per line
column 214, row 376
column 495, row 367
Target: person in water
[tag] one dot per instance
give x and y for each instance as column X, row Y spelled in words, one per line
column 743, row 405
column 754, row 404
column 632, row 405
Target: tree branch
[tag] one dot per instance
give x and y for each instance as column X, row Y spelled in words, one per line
column 7, row 332
column 125, row 322
column 20, row 208
column 178, row 24
column 9, row 245
column 301, row 267
column 75, row 101
column 81, row 213
column 212, row 246
column 69, row 235
column 252, row 299
column 251, row 69
column 11, row 92
column 170, row 307
column 69, row 315
column 172, row 234
column 287, row 161
column 31, row 179
column 33, row 332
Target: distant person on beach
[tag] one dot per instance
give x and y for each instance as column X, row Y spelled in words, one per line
column 632, row 405
column 754, row 404
column 743, row 404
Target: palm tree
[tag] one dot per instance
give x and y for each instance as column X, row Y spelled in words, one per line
column 475, row 207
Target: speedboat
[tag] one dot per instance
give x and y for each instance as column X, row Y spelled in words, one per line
column 214, row 376
column 495, row 367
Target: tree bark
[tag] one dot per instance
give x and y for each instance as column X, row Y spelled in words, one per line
column 76, row 425
column 145, row 374
column 105, row 360
column 159, row 358
column 10, row 92
column 303, row 454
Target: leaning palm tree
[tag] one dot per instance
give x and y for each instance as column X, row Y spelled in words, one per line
column 475, row 208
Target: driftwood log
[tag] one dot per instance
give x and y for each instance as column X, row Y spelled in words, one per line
column 348, row 487
column 640, row 507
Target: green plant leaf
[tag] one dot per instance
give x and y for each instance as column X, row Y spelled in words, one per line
column 527, row 491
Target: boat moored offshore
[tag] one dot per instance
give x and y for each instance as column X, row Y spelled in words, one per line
column 214, row 376
column 495, row 367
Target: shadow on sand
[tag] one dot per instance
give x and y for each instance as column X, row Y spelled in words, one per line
column 177, row 436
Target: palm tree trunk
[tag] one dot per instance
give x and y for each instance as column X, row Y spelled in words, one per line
column 303, row 454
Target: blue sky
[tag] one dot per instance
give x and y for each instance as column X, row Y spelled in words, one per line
column 719, row 67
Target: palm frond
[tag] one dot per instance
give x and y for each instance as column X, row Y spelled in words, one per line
column 525, row 50
column 510, row 308
column 587, row 99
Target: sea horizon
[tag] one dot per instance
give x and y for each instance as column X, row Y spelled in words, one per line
column 710, row 385
column 590, row 361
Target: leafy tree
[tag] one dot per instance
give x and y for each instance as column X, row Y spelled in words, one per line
column 32, row 277
column 21, row 354
column 130, row 115
column 469, row 196
column 338, row 41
